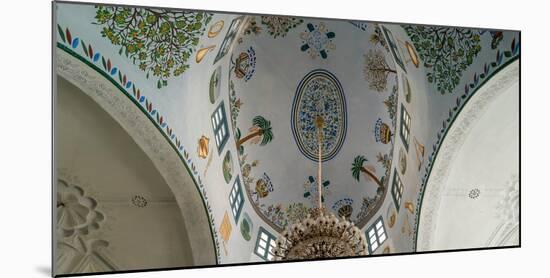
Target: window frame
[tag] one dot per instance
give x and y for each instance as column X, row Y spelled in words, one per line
column 377, row 235
column 236, row 202
column 269, row 243
column 405, row 125
column 399, row 189
column 220, row 125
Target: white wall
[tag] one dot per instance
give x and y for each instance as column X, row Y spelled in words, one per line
column 487, row 160
column 96, row 154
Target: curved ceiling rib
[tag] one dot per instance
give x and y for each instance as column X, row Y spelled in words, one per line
column 147, row 136
column 459, row 198
column 104, row 220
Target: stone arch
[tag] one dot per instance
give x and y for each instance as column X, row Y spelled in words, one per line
column 154, row 144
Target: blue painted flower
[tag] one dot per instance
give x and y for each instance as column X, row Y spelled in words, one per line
column 317, row 40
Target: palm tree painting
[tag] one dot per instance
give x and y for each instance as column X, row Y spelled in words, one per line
column 260, row 132
column 358, row 168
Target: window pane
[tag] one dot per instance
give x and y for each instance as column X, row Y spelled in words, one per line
column 372, row 238
column 374, row 246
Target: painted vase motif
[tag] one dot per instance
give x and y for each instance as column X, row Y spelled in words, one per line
column 202, row 149
column 382, row 132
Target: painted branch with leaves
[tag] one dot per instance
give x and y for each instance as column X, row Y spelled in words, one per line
column 159, row 41
column 445, row 51
column 376, row 70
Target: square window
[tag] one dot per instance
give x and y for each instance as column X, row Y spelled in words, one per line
column 396, row 190
column 236, row 199
column 219, row 126
column 265, row 239
column 405, row 127
column 376, row 235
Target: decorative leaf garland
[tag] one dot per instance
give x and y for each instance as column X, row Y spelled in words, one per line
column 477, row 79
column 71, row 44
column 445, row 51
column 159, row 41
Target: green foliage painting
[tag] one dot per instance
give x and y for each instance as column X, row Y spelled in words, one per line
column 445, row 51
column 259, row 132
column 159, row 41
column 358, row 168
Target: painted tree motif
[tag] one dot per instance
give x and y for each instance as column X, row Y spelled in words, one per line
column 358, row 168
column 297, row 212
column 159, row 41
column 377, row 70
column 377, row 38
column 260, row 132
column 252, row 27
column 280, row 25
column 391, row 104
column 235, row 104
column 445, row 51
column 367, row 206
column 277, row 26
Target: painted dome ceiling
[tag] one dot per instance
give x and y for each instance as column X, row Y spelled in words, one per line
column 237, row 99
column 310, row 69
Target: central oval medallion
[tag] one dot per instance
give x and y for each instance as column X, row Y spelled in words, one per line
column 319, row 94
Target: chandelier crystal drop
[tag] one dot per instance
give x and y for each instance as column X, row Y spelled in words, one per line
column 321, row 234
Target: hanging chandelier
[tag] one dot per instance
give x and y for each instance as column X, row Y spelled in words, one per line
column 321, row 234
